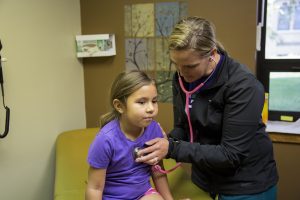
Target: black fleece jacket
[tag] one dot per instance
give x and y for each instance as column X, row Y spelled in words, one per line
column 231, row 152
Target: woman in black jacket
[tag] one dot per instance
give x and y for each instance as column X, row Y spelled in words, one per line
column 217, row 119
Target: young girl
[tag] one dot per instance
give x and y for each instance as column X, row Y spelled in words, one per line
column 113, row 172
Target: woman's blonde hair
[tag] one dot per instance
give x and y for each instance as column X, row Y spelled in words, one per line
column 123, row 86
column 194, row 33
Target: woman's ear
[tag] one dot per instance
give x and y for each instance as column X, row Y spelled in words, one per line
column 118, row 105
column 212, row 55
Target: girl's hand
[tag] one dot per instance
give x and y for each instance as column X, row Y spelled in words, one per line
column 157, row 150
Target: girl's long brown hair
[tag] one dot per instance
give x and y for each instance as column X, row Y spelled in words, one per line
column 123, row 86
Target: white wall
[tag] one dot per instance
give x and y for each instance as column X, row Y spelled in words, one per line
column 44, row 89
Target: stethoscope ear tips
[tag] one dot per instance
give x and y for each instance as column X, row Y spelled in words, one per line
column 212, row 59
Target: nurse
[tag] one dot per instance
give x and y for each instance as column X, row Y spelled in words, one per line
column 217, row 119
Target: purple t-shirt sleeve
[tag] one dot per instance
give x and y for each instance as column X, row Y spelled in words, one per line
column 157, row 131
column 100, row 152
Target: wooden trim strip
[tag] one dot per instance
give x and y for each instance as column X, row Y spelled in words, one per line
column 285, row 138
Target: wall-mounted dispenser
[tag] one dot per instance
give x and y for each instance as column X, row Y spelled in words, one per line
column 95, row 45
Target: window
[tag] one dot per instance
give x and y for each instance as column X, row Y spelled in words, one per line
column 282, row 29
column 278, row 56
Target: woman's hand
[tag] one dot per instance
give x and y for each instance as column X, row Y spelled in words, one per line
column 157, row 149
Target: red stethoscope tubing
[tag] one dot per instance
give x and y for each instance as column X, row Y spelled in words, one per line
column 188, row 94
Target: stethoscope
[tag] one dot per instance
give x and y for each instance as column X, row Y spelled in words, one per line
column 188, row 95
